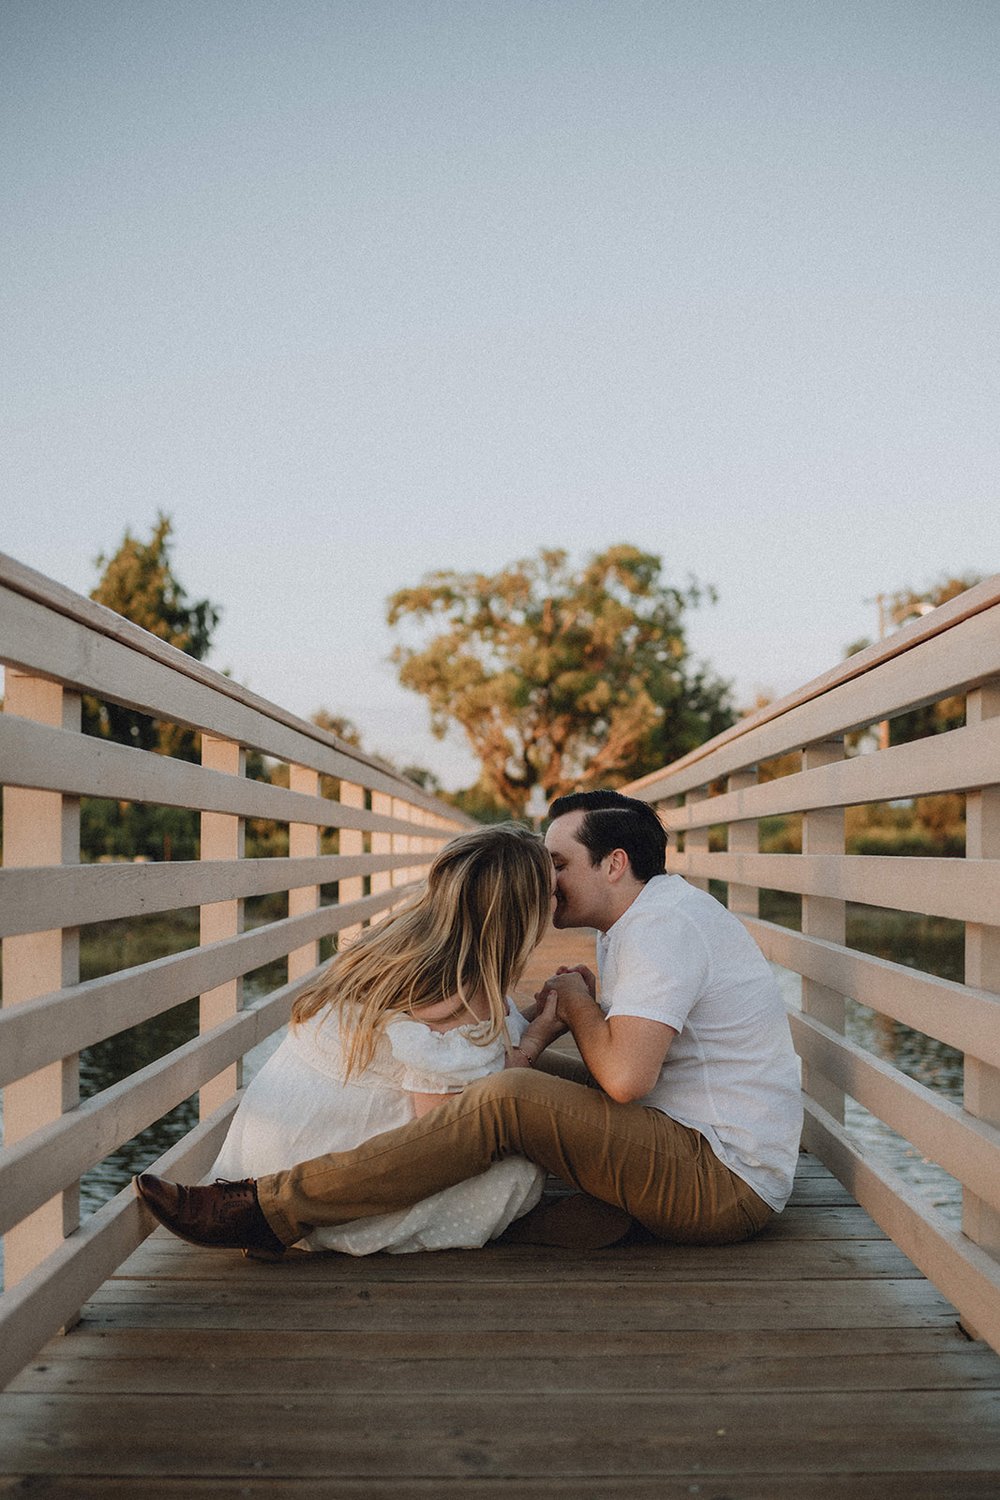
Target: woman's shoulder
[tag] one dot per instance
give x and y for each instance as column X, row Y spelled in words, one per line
column 435, row 1061
column 324, row 1040
column 409, row 1032
column 318, row 1036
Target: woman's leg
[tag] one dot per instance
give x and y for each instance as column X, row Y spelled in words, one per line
column 661, row 1173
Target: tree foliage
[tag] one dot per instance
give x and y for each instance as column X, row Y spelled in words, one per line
column 138, row 582
column 560, row 677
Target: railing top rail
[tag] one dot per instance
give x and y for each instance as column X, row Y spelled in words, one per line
column 965, row 606
column 21, row 579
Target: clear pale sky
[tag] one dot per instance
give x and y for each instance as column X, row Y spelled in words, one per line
column 356, row 291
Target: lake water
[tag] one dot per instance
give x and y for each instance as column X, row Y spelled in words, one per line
column 931, row 1062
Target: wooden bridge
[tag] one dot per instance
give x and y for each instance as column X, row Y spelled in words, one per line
column 847, row 1351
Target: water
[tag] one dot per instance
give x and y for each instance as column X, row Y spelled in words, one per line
column 112, row 1060
column 930, row 1062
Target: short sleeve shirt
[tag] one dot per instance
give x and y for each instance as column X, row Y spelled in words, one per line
column 677, row 956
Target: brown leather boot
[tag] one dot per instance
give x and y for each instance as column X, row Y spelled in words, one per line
column 223, row 1216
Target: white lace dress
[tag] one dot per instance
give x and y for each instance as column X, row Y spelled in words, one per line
column 300, row 1106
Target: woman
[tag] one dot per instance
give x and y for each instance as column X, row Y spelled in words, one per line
column 416, row 1009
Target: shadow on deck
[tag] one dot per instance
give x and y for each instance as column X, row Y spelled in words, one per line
column 814, row 1361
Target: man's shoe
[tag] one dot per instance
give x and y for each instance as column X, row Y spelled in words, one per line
column 223, row 1216
column 575, row 1222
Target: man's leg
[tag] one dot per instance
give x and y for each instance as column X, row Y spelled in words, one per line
column 660, row 1172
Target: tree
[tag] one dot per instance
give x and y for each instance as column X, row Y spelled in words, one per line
column 560, row 677
column 138, row 582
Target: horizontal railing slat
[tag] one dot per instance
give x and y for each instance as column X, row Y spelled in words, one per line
column 964, row 889
column 52, row 645
column 963, row 1272
column 50, row 1296
column 946, row 663
column 38, row 1032
column 58, row 1154
column 41, row 898
column 962, row 759
column 39, row 756
column 967, row 1148
column 956, row 1014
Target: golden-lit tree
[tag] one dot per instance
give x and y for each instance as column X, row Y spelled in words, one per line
column 560, row 677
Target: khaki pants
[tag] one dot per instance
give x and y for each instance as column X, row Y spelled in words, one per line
column 661, row 1173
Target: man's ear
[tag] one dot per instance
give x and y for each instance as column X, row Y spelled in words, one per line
column 618, row 865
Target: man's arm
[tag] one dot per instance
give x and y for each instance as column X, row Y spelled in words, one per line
column 624, row 1054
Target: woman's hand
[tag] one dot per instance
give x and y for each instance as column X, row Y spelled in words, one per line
column 544, row 1029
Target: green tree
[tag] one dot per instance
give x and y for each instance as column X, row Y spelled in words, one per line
column 560, row 677
column 138, row 582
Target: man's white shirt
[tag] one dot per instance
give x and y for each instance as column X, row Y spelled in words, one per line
column 679, row 957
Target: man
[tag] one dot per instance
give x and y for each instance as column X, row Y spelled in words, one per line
column 693, row 1125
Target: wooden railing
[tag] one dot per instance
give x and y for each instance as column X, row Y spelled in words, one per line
column 955, row 650
column 55, row 647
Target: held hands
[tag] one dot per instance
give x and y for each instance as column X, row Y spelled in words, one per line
column 587, row 975
column 571, row 989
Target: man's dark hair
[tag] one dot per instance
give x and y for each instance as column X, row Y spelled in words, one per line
column 614, row 821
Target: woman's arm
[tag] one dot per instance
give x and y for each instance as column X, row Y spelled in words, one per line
column 543, row 1029
column 424, row 1103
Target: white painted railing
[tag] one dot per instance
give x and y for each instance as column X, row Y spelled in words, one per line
column 955, row 650
column 56, row 646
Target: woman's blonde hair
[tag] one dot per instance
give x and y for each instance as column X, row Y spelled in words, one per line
column 486, row 905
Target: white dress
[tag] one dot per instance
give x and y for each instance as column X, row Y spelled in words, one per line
column 300, row 1106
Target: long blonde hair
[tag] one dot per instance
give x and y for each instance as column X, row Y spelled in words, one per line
column 485, row 907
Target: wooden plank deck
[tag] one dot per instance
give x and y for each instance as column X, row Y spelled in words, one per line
column 812, row 1362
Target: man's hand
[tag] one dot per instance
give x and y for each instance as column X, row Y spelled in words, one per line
column 571, row 989
column 587, row 975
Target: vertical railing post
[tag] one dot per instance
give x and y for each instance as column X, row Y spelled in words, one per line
column 696, row 839
column 222, row 838
column 662, row 809
column 823, row 917
column 400, row 841
column 40, row 828
column 743, row 838
column 426, row 820
column 381, row 844
column 303, row 843
column 982, row 968
column 350, row 841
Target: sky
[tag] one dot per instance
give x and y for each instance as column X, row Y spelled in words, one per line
column 354, row 292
